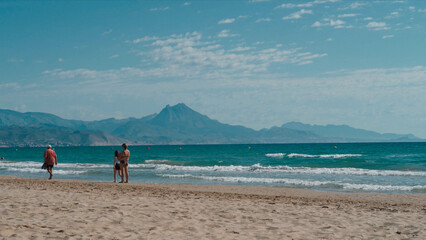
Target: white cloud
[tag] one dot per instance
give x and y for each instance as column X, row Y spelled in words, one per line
column 422, row 10
column 330, row 39
column 189, row 56
column 298, row 14
column 377, row 26
column 60, row 59
column 292, row 5
column 305, row 5
column 263, row 20
column 241, row 49
column 317, row 24
column 186, row 3
column 145, row 39
column 357, row 5
column 114, row 56
column 225, row 21
column 331, row 22
column 226, row 33
column 346, row 15
column 336, row 22
column 387, row 36
column 159, row 9
column 368, row 18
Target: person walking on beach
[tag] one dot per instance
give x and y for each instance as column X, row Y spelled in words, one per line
column 50, row 159
column 124, row 163
column 116, row 166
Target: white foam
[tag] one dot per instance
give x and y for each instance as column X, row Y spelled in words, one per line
column 250, row 180
column 275, row 155
column 30, row 164
column 301, row 155
column 39, row 170
column 286, row 169
column 298, row 182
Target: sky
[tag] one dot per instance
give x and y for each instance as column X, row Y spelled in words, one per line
column 255, row 63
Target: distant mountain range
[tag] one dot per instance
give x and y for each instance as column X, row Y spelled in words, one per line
column 177, row 124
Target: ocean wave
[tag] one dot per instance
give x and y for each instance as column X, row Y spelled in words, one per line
column 298, row 182
column 275, row 155
column 301, row 155
column 287, row 169
column 163, row 167
column 39, row 170
column 168, row 162
column 31, row 164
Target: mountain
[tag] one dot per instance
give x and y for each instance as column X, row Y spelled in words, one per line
column 42, row 136
column 177, row 124
column 347, row 133
column 180, row 124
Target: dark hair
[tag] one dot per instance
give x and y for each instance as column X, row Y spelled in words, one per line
column 124, row 146
column 116, row 153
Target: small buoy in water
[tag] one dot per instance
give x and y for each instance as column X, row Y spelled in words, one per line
column 148, row 148
column 335, row 146
column 249, row 147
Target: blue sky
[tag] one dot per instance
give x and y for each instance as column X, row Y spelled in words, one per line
column 255, row 63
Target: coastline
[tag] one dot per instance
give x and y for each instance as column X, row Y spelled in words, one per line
column 38, row 208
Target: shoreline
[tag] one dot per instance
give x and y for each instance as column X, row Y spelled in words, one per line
column 74, row 209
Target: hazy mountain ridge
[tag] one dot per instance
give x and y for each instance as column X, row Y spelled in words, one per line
column 177, row 124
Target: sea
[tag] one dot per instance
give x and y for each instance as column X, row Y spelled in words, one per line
column 331, row 167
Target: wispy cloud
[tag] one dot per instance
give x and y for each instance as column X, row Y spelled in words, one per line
column 189, row 56
column 263, row 20
column 331, row 22
column 159, row 9
column 354, row 5
column 387, row 36
column 347, row 15
column 305, row 5
column 377, row 26
column 225, row 21
column 186, row 3
column 114, row 56
column 145, row 39
column 226, row 33
column 298, row 14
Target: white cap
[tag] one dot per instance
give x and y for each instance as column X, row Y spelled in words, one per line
column 49, row 146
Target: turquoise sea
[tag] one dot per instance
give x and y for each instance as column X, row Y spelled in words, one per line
column 349, row 167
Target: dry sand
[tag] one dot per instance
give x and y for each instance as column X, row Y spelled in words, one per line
column 65, row 209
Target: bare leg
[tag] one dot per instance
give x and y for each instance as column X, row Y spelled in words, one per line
column 49, row 170
column 122, row 173
column 115, row 175
column 126, row 169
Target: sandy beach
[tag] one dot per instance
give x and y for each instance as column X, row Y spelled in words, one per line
column 69, row 209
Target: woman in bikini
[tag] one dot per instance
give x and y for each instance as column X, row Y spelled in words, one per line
column 116, row 166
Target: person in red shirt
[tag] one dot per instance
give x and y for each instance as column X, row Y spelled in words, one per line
column 50, row 159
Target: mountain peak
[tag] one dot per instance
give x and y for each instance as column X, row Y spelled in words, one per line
column 177, row 114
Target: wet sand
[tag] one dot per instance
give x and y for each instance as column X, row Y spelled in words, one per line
column 70, row 209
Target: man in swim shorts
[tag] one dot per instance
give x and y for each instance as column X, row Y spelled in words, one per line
column 124, row 163
column 50, row 159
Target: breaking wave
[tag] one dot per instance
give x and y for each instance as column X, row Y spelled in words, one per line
column 298, row 182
